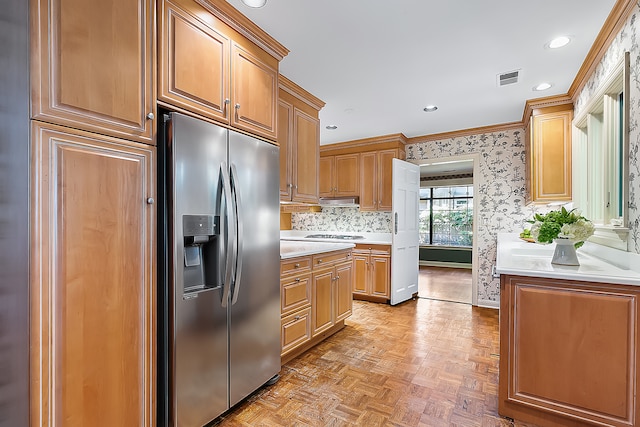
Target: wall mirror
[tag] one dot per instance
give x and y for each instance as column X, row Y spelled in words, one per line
column 601, row 158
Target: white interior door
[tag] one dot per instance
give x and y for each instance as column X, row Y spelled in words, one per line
column 405, row 242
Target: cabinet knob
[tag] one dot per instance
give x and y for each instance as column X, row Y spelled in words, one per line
column 237, row 106
column 150, row 201
column 227, row 101
column 296, row 265
column 290, row 185
column 296, row 318
column 337, row 277
column 319, row 261
column 298, row 279
column 150, row 116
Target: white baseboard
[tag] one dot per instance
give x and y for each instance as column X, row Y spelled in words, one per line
column 486, row 303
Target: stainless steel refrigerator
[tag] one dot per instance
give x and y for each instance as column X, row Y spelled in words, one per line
column 220, row 310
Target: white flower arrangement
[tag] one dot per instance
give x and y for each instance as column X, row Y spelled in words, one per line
column 561, row 224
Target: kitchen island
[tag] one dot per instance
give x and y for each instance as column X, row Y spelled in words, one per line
column 569, row 335
column 316, row 281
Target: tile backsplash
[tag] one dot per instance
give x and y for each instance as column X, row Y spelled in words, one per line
column 347, row 219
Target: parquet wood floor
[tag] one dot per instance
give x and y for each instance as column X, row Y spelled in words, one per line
column 421, row 363
column 444, row 283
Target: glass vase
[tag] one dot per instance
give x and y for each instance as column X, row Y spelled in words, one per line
column 565, row 253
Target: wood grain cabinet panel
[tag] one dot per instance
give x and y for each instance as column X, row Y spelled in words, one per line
column 568, row 349
column 93, row 300
column 376, row 173
column 299, row 140
column 194, row 58
column 548, row 152
column 372, row 272
column 316, row 300
column 210, row 69
column 92, row 65
column 340, row 175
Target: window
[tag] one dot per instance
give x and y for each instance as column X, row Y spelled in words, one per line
column 446, row 215
column 600, row 158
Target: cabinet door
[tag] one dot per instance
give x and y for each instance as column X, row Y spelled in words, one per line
column 347, row 175
column 552, row 156
column 296, row 330
column 327, row 172
column 385, row 179
column 343, row 291
column 368, row 183
column 92, row 291
column 306, row 130
column 92, row 65
column 322, row 301
column 285, row 134
column 568, row 348
column 381, row 276
column 360, row 273
column 254, row 90
column 193, row 59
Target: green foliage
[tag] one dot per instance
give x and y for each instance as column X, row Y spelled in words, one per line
column 552, row 222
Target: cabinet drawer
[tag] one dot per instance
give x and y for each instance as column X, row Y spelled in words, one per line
column 295, row 293
column 330, row 259
column 373, row 249
column 296, row 330
column 295, row 265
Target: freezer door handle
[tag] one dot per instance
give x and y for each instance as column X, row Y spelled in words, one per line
column 231, row 233
column 239, row 234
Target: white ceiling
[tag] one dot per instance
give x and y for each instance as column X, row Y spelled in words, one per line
column 377, row 64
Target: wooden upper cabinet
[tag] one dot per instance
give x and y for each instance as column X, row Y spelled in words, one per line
column 209, row 66
column 340, row 175
column 92, row 291
column 376, row 188
column 306, row 130
column 548, row 154
column 194, row 57
column 299, row 140
column 92, row 66
column 254, row 90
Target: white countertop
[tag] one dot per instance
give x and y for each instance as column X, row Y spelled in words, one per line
column 294, row 248
column 368, row 238
column 597, row 263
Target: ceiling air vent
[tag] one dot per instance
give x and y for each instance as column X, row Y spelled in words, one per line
column 508, row 78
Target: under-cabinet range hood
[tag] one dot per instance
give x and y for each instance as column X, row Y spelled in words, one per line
column 336, row 202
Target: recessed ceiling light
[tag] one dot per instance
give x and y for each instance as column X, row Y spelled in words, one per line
column 430, row 108
column 331, row 127
column 559, row 42
column 254, row 3
column 542, row 86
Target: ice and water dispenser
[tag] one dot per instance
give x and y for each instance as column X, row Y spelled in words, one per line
column 201, row 252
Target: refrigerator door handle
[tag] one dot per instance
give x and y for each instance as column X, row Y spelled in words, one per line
column 231, row 233
column 239, row 233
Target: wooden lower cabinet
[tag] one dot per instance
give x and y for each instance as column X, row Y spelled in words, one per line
column 316, row 297
column 568, row 352
column 372, row 272
column 92, row 289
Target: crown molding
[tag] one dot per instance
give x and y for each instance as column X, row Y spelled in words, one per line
column 396, row 140
column 465, row 132
column 299, row 93
column 548, row 101
column 243, row 25
column 612, row 26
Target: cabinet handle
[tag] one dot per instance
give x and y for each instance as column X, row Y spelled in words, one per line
column 319, row 261
column 227, row 101
column 298, row 279
column 296, row 265
column 150, row 201
column 337, row 277
column 290, row 185
column 296, row 318
column 237, row 106
column 150, row 116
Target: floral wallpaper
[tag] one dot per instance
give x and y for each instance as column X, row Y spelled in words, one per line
column 342, row 219
column 499, row 185
column 626, row 40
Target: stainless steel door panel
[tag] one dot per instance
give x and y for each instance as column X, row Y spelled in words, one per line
column 198, row 364
column 254, row 337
